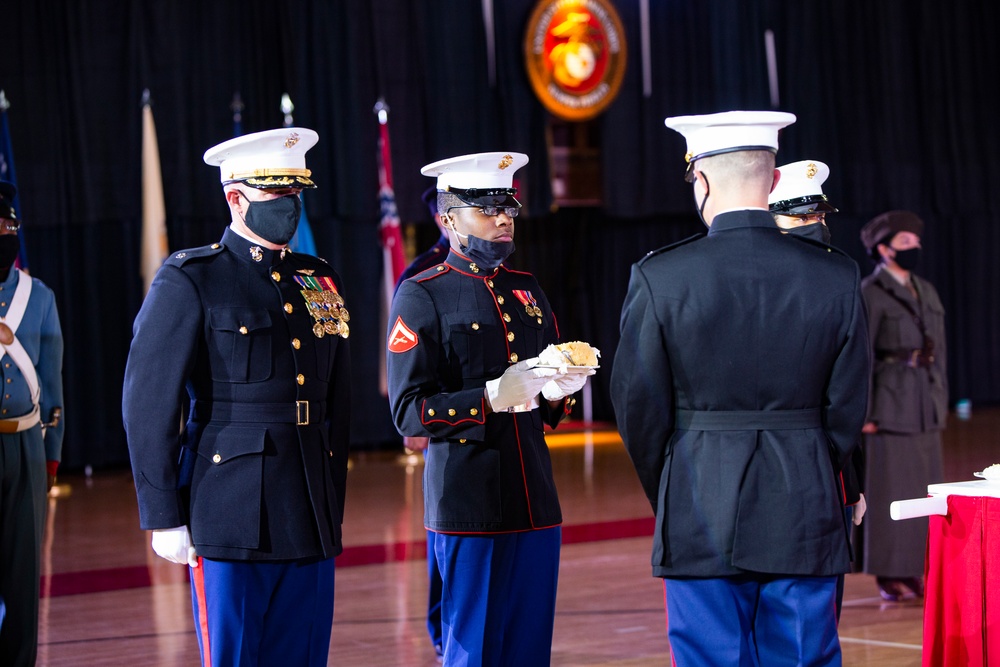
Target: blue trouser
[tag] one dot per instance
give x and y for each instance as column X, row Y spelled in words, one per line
column 256, row 613
column 434, row 596
column 498, row 600
column 753, row 620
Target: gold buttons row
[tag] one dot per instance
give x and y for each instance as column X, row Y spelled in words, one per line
column 452, row 412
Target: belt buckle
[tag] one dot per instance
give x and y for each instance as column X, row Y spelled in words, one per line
column 914, row 359
column 301, row 413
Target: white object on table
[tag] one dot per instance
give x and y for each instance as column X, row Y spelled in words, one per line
column 937, row 502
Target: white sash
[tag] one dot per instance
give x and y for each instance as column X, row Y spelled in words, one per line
column 16, row 351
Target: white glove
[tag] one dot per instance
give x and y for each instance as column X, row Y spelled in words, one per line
column 174, row 544
column 859, row 510
column 565, row 385
column 518, row 384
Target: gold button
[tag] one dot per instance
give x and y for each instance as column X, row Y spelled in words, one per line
column 300, row 378
column 513, row 357
column 539, row 320
column 9, row 380
column 440, row 267
column 276, row 276
column 451, row 412
column 489, row 282
column 217, row 458
column 244, row 331
column 331, row 454
column 431, row 412
column 475, row 269
column 510, row 335
column 215, row 246
column 500, row 300
column 506, row 317
column 3, row 303
column 462, row 441
column 7, row 365
column 288, row 308
column 6, row 395
column 473, row 412
column 475, row 326
column 3, row 412
column 296, row 343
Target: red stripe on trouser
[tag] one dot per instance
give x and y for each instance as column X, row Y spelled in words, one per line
column 198, row 578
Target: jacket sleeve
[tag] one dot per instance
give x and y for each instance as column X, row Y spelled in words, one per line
column 419, row 399
column 873, row 314
column 164, row 346
column 642, row 386
column 846, row 397
column 49, row 369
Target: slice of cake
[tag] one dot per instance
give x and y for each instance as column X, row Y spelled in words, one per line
column 574, row 353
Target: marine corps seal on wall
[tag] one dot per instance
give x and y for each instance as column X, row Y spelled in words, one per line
column 575, row 54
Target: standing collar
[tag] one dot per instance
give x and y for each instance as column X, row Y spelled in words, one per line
column 248, row 250
column 742, row 218
column 463, row 264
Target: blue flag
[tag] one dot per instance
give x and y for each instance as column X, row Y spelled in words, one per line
column 7, row 174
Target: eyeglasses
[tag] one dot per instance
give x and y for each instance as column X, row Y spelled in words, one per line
column 11, row 226
column 491, row 211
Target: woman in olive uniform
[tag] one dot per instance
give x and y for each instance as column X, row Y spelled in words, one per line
column 908, row 405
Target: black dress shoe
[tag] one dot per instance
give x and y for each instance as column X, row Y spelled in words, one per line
column 891, row 590
column 915, row 584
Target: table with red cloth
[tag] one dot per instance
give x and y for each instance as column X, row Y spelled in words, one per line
column 962, row 597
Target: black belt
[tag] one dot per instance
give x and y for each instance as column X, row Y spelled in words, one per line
column 912, row 358
column 747, row 420
column 300, row 413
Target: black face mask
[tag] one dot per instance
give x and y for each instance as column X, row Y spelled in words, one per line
column 908, row 259
column 487, row 254
column 274, row 220
column 816, row 231
column 10, row 245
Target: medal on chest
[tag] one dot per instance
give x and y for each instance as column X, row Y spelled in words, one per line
column 529, row 302
column 325, row 305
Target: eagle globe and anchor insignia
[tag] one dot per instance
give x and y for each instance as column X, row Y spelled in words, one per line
column 575, row 55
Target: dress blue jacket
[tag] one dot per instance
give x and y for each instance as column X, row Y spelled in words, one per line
column 258, row 473
column 452, row 328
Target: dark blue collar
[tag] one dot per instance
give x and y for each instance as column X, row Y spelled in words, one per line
column 247, row 250
column 741, row 220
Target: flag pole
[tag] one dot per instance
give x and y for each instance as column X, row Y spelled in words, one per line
column 154, row 212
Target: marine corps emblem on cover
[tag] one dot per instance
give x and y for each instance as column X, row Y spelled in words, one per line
column 325, row 305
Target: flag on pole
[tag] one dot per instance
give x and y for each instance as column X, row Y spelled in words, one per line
column 302, row 241
column 154, row 212
column 390, row 236
column 7, row 174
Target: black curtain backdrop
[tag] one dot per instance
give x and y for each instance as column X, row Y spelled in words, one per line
column 890, row 94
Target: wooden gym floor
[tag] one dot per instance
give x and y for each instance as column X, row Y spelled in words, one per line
column 108, row 600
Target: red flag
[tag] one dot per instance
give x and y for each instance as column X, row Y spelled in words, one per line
column 390, row 235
